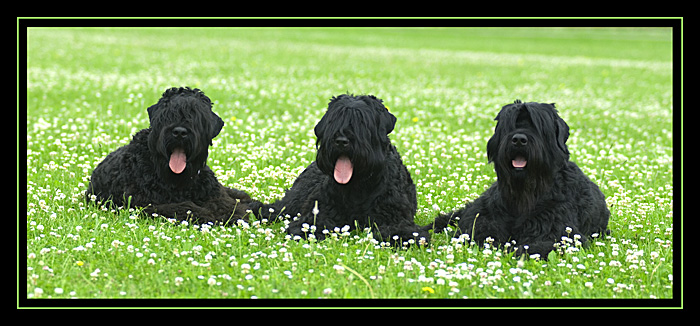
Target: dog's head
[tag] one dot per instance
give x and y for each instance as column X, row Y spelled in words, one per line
column 352, row 137
column 182, row 128
column 529, row 141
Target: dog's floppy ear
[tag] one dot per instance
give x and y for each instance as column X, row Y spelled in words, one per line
column 492, row 145
column 217, row 125
column 215, row 122
column 562, row 131
column 320, row 127
column 151, row 110
column 494, row 141
column 387, row 121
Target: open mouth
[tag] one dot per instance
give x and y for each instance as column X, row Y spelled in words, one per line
column 519, row 162
column 178, row 160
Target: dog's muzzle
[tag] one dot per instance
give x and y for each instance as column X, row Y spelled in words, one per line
column 519, row 141
column 343, row 169
column 178, row 158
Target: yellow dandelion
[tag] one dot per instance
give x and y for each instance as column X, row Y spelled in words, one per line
column 415, row 119
column 233, row 118
column 79, row 263
column 428, row 289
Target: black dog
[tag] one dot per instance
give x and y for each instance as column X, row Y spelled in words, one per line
column 357, row 180
column 164, row 168
column 540, row 196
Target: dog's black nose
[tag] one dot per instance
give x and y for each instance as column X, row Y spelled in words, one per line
column 342, row 141
column 179, row 132
column 519, row 139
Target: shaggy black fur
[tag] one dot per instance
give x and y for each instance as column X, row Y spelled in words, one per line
column 358, row 178
column 163, row 168
column 539, row 192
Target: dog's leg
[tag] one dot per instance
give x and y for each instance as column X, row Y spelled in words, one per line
column 441, row 222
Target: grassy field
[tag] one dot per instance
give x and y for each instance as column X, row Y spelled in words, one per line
column 87, row 94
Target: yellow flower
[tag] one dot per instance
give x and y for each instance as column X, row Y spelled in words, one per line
column 415, row 119
column 233, row 118
column 79, row 263
column 428, row 289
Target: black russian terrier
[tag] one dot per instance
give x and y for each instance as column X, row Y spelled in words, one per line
column 163, row 169
column 358, row 178
column 540, row 196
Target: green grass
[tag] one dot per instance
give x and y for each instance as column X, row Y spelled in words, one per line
column 87, row 94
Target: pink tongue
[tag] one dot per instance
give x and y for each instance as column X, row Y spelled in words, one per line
column 178, row 161
column 519, row 162
column 343, row 170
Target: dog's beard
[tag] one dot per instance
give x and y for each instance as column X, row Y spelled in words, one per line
column 179, row 152
column 351, row 166
column 524, row 174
